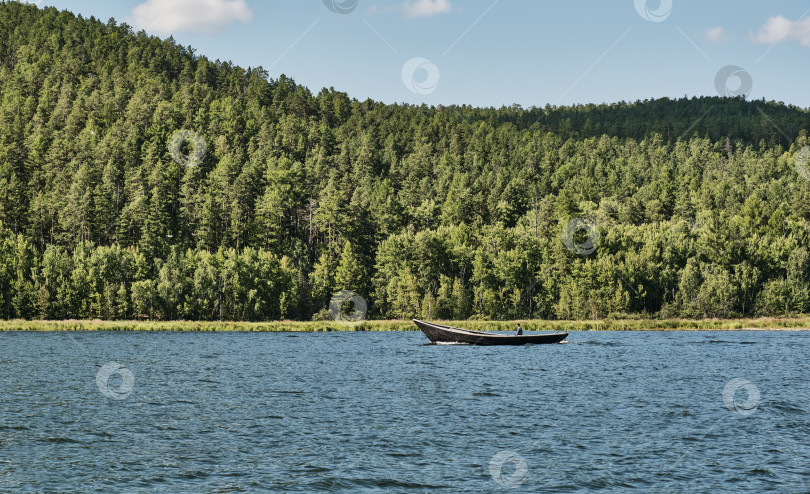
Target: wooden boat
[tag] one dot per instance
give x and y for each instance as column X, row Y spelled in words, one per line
column 438, row 333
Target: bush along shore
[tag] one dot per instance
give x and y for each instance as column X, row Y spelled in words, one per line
column 801, row 323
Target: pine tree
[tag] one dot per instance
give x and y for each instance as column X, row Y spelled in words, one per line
column 350, row 274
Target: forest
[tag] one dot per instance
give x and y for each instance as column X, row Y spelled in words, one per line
column 141, row 180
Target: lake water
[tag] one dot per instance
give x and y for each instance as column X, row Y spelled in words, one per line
column 384, row 412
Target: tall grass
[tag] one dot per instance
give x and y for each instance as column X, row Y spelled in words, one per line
column 405, row 325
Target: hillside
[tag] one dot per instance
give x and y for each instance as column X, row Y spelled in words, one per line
column 692, row 207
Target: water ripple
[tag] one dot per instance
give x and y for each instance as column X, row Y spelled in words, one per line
column 366, row 412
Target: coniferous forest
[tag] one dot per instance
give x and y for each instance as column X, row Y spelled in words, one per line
column 140, row 180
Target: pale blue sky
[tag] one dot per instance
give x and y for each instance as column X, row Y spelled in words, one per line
column 488, row 53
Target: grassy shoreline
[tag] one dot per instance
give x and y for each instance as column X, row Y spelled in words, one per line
column 802, row 323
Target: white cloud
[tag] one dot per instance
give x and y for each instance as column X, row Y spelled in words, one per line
column 374, row 9
column 778, row 28
column 716, row 34
column 202, row 16
column 425, row 8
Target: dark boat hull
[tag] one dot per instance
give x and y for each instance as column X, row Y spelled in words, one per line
column 438, row 333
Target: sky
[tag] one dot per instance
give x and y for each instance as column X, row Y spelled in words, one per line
column 496, row 52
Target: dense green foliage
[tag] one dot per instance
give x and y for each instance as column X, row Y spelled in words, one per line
column 449, row 212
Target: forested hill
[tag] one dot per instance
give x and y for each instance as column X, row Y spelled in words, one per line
column 692, row 207
column 715, row 118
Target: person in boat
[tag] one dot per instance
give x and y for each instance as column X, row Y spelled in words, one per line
column 519, row 330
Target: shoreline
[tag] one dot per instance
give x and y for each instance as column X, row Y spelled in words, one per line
column 760, row 324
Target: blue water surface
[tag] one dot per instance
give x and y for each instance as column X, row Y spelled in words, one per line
column 384, row 412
